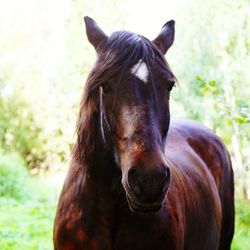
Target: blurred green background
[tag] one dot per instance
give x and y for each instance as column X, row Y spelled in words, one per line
column 44, row 61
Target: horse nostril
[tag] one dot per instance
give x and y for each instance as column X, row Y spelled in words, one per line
column 133, row 181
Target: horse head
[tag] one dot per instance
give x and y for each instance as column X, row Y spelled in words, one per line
column 134, row 83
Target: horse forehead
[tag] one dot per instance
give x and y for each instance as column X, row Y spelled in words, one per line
column 140, row 70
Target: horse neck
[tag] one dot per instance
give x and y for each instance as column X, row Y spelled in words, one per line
column 98, row 177
column 99, row 166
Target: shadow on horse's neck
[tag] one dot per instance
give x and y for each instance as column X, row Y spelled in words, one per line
column 104, row 168
column 100, row 166
column 103, row 181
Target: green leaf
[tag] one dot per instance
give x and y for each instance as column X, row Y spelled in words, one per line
column 212, row 83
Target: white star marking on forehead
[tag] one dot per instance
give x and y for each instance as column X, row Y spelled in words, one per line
column 140, row 70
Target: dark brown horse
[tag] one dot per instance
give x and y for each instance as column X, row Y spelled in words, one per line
column 137, row 181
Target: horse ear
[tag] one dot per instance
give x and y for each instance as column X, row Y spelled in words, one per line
column 95, row 35
column 166, row 37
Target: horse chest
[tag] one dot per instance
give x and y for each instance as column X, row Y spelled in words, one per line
column 144, row 233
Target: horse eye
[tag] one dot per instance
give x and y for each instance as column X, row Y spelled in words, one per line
column 170, row 87
column 106, row 88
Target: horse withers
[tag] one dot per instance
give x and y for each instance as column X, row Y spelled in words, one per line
column 138, row 181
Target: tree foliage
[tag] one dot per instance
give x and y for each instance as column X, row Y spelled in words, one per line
column 212, row 62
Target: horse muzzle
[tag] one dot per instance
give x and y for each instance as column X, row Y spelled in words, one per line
column 146, row 189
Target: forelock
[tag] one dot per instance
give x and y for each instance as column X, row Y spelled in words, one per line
column 122, row 52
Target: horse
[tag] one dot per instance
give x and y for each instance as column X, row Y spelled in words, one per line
column 136, row 179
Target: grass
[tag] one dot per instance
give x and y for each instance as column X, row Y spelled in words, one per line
column 241, row 239
column 28, row 224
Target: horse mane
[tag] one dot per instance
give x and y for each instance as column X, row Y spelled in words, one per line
column 123, row 50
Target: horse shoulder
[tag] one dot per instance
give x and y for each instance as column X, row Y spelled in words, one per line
column 209, row 147
column 193, row 188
